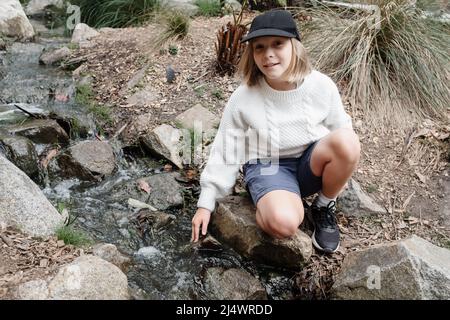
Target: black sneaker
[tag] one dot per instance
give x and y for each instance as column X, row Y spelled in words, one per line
column 326, row 231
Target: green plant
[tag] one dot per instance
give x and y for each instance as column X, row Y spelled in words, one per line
column 208, row 8
column 116, row 13
column 394, row 62
column 173, row 50
column 218, row 94
column 85, row 96
column 200, row 90
column 72, row 236
column 176, row 27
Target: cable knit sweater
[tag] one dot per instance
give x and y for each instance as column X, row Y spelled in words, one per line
column 260, row 122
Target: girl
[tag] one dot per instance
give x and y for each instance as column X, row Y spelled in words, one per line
column 297, row 112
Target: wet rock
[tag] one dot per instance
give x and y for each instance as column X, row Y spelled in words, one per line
column 21, row 152
column 232, row 284
column 148, row 253
column 155, row 220
column 234, row 223
column 110, row 253
column 165, row 191
column 86, row 278
column 54, row 56
column 353, row 201
column 23, row 205
column 406, row 269
column 44, row 131
column 83, row 33
column 199, row 118
column 165, row 141
column 13, row 21
column 88, row 160
column 210, row 243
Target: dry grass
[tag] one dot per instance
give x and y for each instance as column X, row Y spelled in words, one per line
column 392, row 69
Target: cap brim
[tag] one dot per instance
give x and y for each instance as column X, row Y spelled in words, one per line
column 267, row 32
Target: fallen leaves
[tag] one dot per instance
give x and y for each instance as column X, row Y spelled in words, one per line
column 144, row 186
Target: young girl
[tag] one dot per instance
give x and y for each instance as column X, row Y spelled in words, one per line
column 298, row 113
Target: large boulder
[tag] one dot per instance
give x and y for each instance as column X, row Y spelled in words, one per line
column 407, row 269
column 23, row 205
column 232, row 284
column 234, row 223
column 199, row 116
column 88, row 160
column 13, row 21
column 86, row 278
column 52, row 57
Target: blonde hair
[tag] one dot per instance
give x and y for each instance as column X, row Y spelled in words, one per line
column 299, row 67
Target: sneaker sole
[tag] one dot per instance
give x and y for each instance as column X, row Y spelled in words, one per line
column 315, row 244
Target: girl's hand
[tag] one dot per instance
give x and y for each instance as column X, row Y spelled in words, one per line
column 201, row 217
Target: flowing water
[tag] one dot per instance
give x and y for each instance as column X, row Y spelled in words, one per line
column 164, row 264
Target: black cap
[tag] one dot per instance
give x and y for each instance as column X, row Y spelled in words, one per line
column 273, row 23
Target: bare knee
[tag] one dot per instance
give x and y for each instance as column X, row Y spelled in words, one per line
column 345, row 145
column 283, row 224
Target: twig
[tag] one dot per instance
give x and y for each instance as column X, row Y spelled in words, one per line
column 27, row 112
column 201, row 76
column 6, row 240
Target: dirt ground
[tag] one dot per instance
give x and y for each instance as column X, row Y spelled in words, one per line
column 405, row 169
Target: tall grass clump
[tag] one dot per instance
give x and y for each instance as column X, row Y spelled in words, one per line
column 395, row 66
column 116, row 13
column 209, row 8
column 176, row 26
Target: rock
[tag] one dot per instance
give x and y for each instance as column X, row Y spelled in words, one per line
column 20, row 151
column 165, row 141
column 406, row 269
column 13, row 21
column 110, row 253
column 137, row 77
column 354, row 201
column 165, row 191
column 143, row 97
column 148, row 253
column 234, row 5
column 186, row 6
column 86, row 278
column 207, row 122
column 2, row 44
column 88, row 160
column 35, row 7
column 23, row 205
column 45, row 131
column 55, row 56
column 157, row 220
column 232, row 284
column 83, row 33
column 234, row 223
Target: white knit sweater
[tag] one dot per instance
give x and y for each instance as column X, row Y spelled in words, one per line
column 284, row 122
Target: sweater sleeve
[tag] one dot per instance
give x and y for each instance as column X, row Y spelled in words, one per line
column 222, row 168
column 337, row 117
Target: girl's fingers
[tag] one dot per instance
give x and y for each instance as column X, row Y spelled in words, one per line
column 204, row 227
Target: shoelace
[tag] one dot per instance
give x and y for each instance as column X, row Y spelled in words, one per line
column 327, row 217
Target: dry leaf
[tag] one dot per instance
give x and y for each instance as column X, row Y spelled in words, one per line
column 421, row 177
column 43, row 263
column 50, row 155
column 144, row 186
column 168, row 168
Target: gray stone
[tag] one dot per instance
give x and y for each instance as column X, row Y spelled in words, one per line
column 354, row 201
column 23, row 205
column 232, row 5
column 165, row 141
column 143, row 97
column 83, row 33
column 165, row 191
column 234, row 223
column 86, row 278
column 201, row 118
column 232, row 284
column 37, row 6
column 45, row 131
column 20, row 151
column 54, row 56
column 110, row 253
column 13, row 21
column 186, row 6
column 406, row 269
column 88, row 160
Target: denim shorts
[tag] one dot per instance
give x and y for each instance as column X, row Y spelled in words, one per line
column 290, row 174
